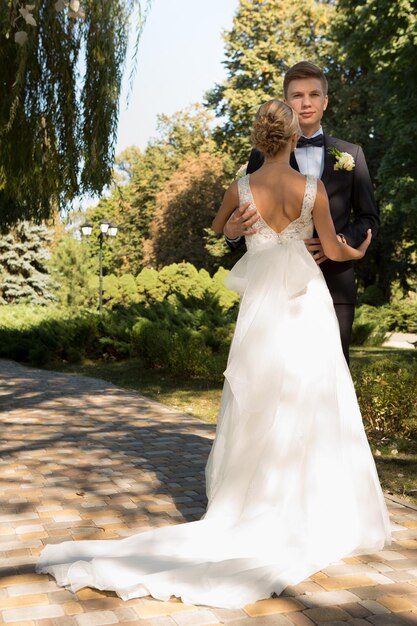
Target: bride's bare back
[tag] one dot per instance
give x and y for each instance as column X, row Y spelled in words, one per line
column 278, row 195
column 278, row 191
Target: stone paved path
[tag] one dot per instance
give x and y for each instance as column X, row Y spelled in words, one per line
column 81, row 458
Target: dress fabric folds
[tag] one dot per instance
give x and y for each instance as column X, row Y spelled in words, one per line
column 291, row 482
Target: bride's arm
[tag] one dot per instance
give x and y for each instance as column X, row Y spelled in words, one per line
column 229, row 204
column 332, row 247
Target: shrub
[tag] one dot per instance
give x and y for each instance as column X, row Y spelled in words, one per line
column 368, row 327
column 373, row 323
column 150, row 288
column 189, row 356
column 182, row 352
column 154, row 344
column 227, row 299
column 387, row 395
column 39, row 355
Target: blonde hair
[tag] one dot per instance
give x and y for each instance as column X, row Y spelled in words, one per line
column 274, row 124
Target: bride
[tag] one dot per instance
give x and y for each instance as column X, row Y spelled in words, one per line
column 291, row 482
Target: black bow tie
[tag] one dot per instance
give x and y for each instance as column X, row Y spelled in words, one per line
column 316, row 141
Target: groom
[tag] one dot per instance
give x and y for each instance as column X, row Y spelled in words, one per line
column 349, row 187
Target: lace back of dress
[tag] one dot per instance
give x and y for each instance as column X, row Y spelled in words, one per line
column 300, row 228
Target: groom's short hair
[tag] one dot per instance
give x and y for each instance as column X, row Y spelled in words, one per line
column 304, row 69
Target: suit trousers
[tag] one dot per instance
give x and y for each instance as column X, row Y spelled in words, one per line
column 345, row 314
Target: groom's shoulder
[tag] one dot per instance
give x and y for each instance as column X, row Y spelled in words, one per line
column 342, row 145
column 256, row 159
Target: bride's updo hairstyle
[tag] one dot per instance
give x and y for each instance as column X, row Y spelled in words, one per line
column 274, row 124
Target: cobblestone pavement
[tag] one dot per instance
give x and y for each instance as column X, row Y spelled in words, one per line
column 81, row 458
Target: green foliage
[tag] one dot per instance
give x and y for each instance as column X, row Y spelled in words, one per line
column 227, row 298
column 149, row 285
column 387, row 395
column 178, row 319
column 371, row 79
column 182, row 352
column 138, row 180
column 113, row 256
column 367, row 327
column 268, row 36
column 184, row 280
column 176, row 283
column 24, row 253
column 373, row 323
column 75, row 273
column 372, row 295
column 57, row 124
column 120, row 291
column 184, row 211
column 181, row 322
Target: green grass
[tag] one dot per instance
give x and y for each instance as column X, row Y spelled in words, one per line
column 396, row 459
column 195, row 396
column 399, row 355
column 398, row 475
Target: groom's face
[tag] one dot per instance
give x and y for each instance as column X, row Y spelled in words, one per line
column 307, row 98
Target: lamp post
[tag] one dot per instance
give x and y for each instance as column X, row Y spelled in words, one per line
column 105, row 229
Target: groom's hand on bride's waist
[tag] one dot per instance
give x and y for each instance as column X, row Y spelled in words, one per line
column 315, row 248
column 240, row 223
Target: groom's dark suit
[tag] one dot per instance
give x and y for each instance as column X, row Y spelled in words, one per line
column 350, row 194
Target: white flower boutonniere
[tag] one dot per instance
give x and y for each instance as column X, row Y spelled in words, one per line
column 344, row 160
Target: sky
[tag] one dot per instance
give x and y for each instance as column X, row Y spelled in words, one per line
column 180, row 58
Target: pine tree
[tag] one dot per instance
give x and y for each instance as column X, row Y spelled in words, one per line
column 268, row 36
column 75, row 273
column 24, row 254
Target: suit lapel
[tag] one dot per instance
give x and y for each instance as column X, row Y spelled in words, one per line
column 293, row 162
column 328, row 159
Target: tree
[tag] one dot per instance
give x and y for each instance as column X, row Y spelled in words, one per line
column 373, row 79
column 24, row 254
column 75, row 273
column 61, row 67
column 184, row 134
column 185, row 209
column 268, row 36
column 132, row 201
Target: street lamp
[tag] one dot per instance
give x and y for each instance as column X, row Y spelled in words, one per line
column 86, row 229
column 105, row 229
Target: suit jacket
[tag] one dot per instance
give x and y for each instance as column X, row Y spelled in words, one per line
column 352, row 206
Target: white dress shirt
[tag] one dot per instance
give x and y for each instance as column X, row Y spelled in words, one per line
column 310, row 159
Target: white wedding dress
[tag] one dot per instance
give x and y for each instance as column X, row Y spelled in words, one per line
column 291, row 481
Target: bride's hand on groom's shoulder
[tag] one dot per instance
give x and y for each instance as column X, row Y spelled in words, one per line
column 240, row 222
